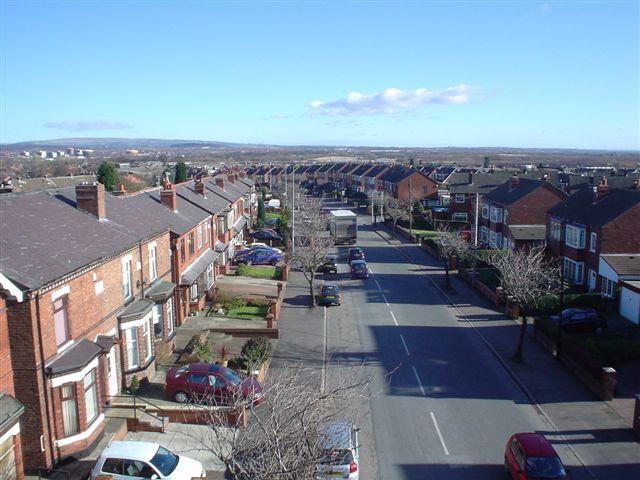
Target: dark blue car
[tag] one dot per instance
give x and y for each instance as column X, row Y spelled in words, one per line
column 258, row 257
column 266, row 235
column 359, row 269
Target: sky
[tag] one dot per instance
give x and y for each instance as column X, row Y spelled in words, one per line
column 523, row 74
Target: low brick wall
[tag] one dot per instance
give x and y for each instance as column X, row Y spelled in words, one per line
column 602, row 384
column 198, row 415
column 249, row 332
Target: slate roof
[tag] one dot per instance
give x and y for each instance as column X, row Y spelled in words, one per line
column 75, row 358
column 504, row 195
column 624, row 265
column 10, row 410
column 528, row 232
column 361, row 169
column 65, row 239
column 376, row 170
column 580, row 208
column 482, row 183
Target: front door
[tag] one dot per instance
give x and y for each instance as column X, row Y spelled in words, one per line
column 112, row 379
column 592, row 280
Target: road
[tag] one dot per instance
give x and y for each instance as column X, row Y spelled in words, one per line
column 441, row 406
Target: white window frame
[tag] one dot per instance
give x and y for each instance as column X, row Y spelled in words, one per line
column 64, row 310
column 91, row 396
column 495, row 214
column 69, row 404
column 574, row 236
column 574, row 271
column 608, row 288
column 485, row 211
column 459, row 198
column 484, row 234
column 127, row 280
column 131, row 335
column 593, row 241
column 170, row 321
column 153, row 262
column 555, row 230
column 460, row 217
column 492, row 239
column 193, row 293
column 199, row 235
column 156, row 314
column 209, row 276
column 146, row 335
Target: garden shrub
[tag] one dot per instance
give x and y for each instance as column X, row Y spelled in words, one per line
column 258, row 302
column 615, row 350
column 203, row 350
column 243, row 270
column 589, row 300
column 256, row 350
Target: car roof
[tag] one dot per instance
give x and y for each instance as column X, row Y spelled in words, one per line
column 330, row 285
column 535, row 445
column 131, row 449
column 335, row 435
column 205, row 368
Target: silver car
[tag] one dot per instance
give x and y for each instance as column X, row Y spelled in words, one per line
column 340, row 451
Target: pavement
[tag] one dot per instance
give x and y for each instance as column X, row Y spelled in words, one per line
column 597, row 432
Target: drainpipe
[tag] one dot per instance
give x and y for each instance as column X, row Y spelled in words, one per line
column 44, row 378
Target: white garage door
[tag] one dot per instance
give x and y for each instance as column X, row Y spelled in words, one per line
column 630, row 305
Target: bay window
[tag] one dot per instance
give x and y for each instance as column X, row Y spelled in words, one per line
column 573, row 271
column 574, row 236
column 90, row 396
column 69, row 410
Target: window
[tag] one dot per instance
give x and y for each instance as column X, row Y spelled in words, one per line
column 573, row 271
column 484, row 233
column 153, row 267
column 170, row 316
column 221, row 228
column 157, row 320
column 133, row 358
column 485, row 211
column 112, row 465
column 69, row 410
column 459, row 198
column 210, row 276
column 91, row 396
column 191, row 245
column 199, row 237
column 492, row 239
column 593, row 242
column 445, row 200
column 496, row 214
column 126, row 277
column 207, row 233
column 146, row 334
column 505, row 243
column 460, row 217
column 608, row 288
column 574, row 236
column 193, row 292
column 182, row 251
column 555, row 230
column 60, row 320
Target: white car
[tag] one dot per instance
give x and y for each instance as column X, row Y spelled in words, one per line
column 262, row 244
column 125, row 460
column 340, row 451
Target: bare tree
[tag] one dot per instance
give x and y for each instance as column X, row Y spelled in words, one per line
column 312, row 241
column 376, row 198
column 450, row 244
column 278, row 439
column 526, row 277
column 397, row 210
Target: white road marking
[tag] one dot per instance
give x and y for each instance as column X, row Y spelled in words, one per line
column 405, row 345
column 394, row 318
column 385, row 300
column 323, row 375
column 415, row 372
column 379, row 287
column 435, row 424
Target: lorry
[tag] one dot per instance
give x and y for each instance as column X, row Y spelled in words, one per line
column 343, row 227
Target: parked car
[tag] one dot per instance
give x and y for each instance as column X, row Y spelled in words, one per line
column 329, row 295
column 266, row 235
column 268, row 229
column 354, row 253
column 330, row 265
column 261, row 244
column 340, row 451
column 272, row 222
column 258, row 257
column 122, row 460
column 529, row 456
column 359, row 269
column 580, row 320
column 209, row 383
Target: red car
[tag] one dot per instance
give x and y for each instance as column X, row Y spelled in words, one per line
column 210, row 383
column 530, row 456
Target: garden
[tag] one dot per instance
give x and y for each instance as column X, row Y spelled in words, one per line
column 248, row 309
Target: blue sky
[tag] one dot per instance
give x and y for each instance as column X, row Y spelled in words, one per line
column 380, row 73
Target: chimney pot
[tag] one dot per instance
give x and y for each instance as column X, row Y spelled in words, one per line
column 220, row 182
column 199, row 186
column 515, row 181
column 601, row 190
column 90, row 198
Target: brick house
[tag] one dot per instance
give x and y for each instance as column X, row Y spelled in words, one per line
column 83, row 327
column 513, row 214
column 592, row 223
column 10, row 439
column 370, row 178
column 406, row 183
column 357, row 176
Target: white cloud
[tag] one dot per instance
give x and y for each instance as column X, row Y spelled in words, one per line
column 391, row 100
column 84, row 125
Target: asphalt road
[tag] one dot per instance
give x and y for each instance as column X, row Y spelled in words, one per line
column 441, row 405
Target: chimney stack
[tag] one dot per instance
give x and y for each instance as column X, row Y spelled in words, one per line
column 121, row 191
column 232, row 178
column 243, row 174
column 220, row 182
column 90, row 198
column 199, row 186
column 601, row 190
column 168, row 197
column 515, row 181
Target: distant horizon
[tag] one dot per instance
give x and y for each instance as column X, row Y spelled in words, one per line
column 560, row 74
column 187, row 140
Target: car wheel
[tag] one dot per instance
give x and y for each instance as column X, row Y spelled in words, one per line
column 181, row 397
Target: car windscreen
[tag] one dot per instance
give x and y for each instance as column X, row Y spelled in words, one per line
column 329, row 290
column 359, row 267
column 165, row 461
column 336, row 457
column 544, row 467
column 231, row 376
